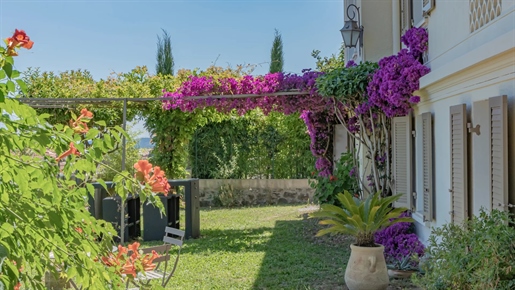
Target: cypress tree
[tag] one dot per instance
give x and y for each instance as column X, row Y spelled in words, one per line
column 276, row 54
column 164, row 55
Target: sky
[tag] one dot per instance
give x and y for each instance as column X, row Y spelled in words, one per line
column 105, row 36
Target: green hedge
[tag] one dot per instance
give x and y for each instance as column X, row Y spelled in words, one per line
column 252, row 146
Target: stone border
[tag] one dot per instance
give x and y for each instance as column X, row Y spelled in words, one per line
column 243, row 192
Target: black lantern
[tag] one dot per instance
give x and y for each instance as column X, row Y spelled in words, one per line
column 352, row 31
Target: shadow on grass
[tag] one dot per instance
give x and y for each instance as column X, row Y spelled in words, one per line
column 295, row 259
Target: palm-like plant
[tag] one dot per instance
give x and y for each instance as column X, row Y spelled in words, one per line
column 360, row 218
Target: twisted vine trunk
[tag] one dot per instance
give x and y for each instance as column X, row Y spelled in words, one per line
column 374, row 137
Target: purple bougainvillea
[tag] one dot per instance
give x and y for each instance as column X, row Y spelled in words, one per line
column 316, row 111
column 416, row 39
column 389, row 91
column 399, row 242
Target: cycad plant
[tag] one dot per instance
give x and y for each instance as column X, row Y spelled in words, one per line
column 360, row 218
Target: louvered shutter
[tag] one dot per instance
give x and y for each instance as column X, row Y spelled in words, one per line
column 499, row 152
column 427, row 165
column 401, row 165
column 459, row 190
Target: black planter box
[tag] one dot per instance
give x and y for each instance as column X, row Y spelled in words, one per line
column 154, row 222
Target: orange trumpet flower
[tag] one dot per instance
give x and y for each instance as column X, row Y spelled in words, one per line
column 70, row 151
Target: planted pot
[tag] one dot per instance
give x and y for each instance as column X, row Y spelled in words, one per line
column 366, row 269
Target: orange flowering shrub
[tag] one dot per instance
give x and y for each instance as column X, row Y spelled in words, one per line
column 129, row 261
column 153, row 176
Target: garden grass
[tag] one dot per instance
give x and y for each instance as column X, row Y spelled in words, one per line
column 269, row 247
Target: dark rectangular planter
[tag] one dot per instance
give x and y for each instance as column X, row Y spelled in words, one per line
column 111, row 212
column 154, row 222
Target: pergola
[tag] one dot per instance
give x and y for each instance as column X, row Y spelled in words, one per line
column 55, row 103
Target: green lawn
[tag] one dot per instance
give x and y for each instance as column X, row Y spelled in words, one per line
column 261, row 248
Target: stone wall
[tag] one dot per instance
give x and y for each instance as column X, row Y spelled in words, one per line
column 242, row 192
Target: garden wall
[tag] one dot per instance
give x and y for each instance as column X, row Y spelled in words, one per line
column 237, row 192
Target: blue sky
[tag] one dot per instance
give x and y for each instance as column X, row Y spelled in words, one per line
column 116, row 36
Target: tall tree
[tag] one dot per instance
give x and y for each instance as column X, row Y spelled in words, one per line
column 164, row 57
column 276, row 54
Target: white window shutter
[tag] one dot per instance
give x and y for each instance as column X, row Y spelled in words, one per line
column 459, row 190
column 427, row 165
column 499, row 152
column 401, row 165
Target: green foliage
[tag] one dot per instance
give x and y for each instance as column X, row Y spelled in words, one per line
column 347, row 85
column 39, row 213
column 343, row 179
column 327, row 64
column 80, row 84
column 165, row 63
column 113, row 160
column 276, row 54
column 45, row 224
column 171, row 130
column 226, row 163
column 273, row 146
column 360, row 218
column 479, row 254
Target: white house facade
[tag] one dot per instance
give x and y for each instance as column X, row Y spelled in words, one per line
column 456, row 153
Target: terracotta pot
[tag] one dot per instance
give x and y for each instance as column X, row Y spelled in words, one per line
column 366, row 269
column 394, row 273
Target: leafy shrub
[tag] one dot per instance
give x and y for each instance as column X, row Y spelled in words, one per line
column 271, row 146
column 402, row 247
column 478, row 255
column 343, row 179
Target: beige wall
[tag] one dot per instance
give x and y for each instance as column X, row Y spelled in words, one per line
column 377, row 21
column 450, row 37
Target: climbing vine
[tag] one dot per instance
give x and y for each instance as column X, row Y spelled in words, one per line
column 367, row 96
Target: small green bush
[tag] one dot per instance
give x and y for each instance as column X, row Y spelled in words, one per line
column 343, row 179
column 478, row 255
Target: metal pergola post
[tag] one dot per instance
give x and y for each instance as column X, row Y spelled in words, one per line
column 124, row 150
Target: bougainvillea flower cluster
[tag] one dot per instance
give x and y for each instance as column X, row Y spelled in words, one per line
column 416, row 39
column 400, row 241
column 153, row 176
column 128, row 260
column 393, row 84
column 19, row 39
